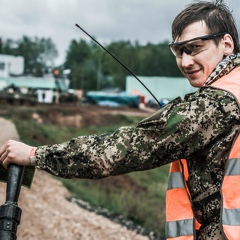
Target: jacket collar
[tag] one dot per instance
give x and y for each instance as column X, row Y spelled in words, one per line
column 223, row 68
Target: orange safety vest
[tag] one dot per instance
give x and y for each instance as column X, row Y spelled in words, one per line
column 180, row 221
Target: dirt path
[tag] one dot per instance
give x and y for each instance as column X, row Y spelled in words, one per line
column 7, row 131
column 47, row 215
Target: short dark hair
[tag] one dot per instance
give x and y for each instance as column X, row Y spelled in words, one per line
column 215, row 14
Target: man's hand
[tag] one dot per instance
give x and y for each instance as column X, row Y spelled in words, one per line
column 15, row 152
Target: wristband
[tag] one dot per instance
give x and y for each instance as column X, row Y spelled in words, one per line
column 33, row 157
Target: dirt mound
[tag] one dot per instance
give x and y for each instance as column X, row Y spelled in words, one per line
column 84, row 115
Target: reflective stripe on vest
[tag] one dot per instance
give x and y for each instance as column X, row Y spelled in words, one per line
column 231, row 194
column 180, row 224
column 179, row 217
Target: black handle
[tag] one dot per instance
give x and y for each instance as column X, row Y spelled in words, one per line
column 14, row 182
column 10, row 213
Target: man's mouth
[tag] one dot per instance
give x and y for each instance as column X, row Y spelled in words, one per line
column 192, row 72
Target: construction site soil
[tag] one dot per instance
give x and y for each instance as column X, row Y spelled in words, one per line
column 46, row 211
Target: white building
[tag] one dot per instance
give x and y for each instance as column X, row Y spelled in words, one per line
column 161, row 87
column 11, row 65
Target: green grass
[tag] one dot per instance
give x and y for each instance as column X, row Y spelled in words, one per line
column 146, row 207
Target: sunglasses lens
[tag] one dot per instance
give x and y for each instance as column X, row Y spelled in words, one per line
column 191, row 48
column 198, row 46
column 176, row 50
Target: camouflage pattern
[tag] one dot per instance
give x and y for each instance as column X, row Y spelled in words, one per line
column 200, row 128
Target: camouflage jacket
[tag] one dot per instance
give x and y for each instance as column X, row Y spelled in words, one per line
column 200, row 128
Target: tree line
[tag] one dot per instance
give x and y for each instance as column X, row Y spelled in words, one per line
column 91, row 67
column 38, row 53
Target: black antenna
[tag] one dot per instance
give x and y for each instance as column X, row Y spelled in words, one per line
column 118, row 62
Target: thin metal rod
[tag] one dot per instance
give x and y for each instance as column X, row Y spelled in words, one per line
column 118, row 62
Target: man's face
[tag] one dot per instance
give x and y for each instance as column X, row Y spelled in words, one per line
column 197, row 67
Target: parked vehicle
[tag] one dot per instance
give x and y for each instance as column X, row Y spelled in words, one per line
column 12, row 94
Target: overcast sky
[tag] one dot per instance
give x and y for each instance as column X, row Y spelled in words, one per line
column 107, row 20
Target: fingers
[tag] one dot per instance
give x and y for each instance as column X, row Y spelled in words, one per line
column 15, row 152
column 3, row 149
column 6, row 154
column 3, row 159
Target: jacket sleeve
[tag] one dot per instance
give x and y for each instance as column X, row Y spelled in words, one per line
column 178, row 130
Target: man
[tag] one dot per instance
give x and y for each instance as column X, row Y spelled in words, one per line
column 200, row 130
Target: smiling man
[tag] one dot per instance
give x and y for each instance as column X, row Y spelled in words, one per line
column 199, row 49
column 197, row 135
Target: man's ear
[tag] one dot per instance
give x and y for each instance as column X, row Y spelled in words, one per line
column 227, row 44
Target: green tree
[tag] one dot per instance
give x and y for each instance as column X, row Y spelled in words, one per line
column 78, row 52
column 82, row 66
column 157, row 60
column 38, row 53
column 9, row 47
column 94, row 69
column 166, row 61
column 125, row 52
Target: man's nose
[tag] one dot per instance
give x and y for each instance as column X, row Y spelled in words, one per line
column 187, row 60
